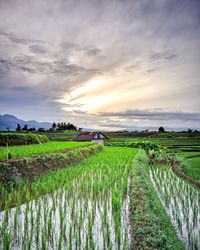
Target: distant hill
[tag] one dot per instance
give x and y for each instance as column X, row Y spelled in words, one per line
column 10, row 121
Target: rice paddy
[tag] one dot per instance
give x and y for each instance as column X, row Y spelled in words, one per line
column 90, row 205
column 182, row 203
column 85, row 207
column 190, row 163
column 37, row 149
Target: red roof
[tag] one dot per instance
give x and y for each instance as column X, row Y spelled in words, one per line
column 88, row 136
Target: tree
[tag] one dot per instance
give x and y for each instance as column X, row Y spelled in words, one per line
column 161, row 129
column 41, row 130
column 71, row 126
column 189, row 130
column 31, row 129
column 63, row 126
column 53, row 126
column 25, row 128
column 58, row 126
column 18, row 128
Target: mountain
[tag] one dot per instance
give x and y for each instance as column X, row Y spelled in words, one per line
column 10, row 121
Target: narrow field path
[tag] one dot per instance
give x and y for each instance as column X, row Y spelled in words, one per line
column 151, row 226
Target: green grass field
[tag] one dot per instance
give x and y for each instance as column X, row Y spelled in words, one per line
column 187, row 150
column 67, row 135
column 190, row 164
column 169, row 142
column 37, row 149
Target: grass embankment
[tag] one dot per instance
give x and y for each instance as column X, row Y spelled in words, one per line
column 38, row 149
column 151, row 224
column 191, row 167
column 15, row 172
column 190, row 164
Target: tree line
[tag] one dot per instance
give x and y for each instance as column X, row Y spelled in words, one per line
column 60, row 126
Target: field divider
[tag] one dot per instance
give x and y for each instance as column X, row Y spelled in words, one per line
column 177, row 170
column 15, row 171
column 151, row 225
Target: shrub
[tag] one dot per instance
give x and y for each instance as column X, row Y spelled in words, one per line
column 21, row 139
column 147, row 146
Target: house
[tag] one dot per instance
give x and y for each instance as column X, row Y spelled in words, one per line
column 97, row 137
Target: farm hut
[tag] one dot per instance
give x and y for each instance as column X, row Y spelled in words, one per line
column 97, row 137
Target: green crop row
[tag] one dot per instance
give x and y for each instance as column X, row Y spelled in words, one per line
column 14, row 173
column 146, row 145
column 181, row 201
column 37, row 149
column 191, row 165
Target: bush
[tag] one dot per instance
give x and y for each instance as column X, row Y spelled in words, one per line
column 43, row 138
column 147, row 146
column 21, row 139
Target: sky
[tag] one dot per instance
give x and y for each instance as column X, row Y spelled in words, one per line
column 106, row 65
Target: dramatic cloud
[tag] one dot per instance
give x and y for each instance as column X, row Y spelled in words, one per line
column 155, row 115
column 34, row 65
column 101, row 64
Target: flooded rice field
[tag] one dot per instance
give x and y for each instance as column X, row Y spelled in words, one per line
column 90, row 210
column 182, row 203
column 60, row 221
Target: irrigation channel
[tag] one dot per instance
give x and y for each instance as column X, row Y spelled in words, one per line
column 182, row 203
column 90, row 211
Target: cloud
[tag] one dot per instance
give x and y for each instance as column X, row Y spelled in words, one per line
column 152, row 62
column 158, row 57
column 15, row 39
column 38, row 49
column 145, row 55
column 93, row 51
column 132, row 127
column 4, row 67
column 32, row 64
column 22, row 89
column 154, row 115
column 22, row 97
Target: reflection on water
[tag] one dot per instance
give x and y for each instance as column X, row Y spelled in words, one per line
column 63, row 220
column 182, row 202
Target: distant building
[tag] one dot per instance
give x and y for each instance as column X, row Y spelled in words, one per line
column 97, row 137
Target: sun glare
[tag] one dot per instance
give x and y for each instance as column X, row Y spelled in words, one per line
column 84, row 99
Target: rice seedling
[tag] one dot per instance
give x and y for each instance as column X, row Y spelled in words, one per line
column 85, row 207
column 37, row 149
column 182, row 203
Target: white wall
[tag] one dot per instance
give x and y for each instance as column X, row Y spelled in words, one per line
column 98, row 141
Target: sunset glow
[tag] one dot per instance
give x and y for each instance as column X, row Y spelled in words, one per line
column 109, row 64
